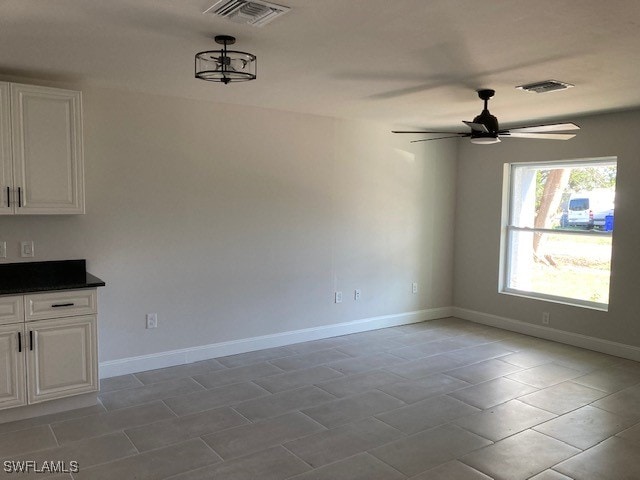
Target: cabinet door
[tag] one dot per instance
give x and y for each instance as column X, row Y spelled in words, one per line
column 46, row 132
column 6, row 162
column 62, row 359
column 12, row 369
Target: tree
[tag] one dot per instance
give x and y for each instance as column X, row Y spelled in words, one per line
column 592, row 178
column 554, row 184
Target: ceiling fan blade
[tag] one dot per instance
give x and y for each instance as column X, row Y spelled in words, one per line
column 478, row 127
column 553, row 127
column 429, row 132
column 545, row 136
column 459, row 135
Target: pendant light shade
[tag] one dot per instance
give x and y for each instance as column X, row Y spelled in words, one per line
column 225, row 65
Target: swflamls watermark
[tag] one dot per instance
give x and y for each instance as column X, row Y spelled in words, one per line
column 47, row 466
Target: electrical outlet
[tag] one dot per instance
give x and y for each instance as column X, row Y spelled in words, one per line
column 152, row 320
column 338, row 297
column 545, row 318
column 26, row 249
column 356, row 294
column 3, row 249
column 414, row 287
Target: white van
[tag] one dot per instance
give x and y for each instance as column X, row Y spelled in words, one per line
column 585, row 206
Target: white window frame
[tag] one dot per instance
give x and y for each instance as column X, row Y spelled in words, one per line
column 507, row 229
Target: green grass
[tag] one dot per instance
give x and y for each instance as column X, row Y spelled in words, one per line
column 572, row 282
column 580, row 268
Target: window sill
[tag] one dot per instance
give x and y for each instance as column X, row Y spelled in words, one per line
column 601, row 307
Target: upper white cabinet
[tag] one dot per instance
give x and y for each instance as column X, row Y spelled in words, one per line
column 6, row 159
column 42, row 170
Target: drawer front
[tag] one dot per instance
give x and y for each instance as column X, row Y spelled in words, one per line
column 11, row 310
column 71, row 303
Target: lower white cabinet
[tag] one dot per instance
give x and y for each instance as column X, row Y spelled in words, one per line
column 61, row 360
column 12, row 366
column 48, row 359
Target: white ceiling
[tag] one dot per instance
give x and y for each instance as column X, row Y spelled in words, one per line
column 407, row 62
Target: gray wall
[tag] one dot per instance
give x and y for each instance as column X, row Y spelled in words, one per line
column 233, row 222
column 477, row 237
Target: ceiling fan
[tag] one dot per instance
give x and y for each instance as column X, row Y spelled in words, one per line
column 485, row 129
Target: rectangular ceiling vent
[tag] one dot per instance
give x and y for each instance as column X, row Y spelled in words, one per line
column 546, row 86
column 255, row 12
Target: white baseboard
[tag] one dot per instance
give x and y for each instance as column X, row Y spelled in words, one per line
column 124, row 366
column 576, row 339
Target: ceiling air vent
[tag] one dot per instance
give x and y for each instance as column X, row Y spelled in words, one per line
column 254, row 12
column 546, row 86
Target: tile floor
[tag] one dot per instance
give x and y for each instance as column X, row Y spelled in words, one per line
column 445, row 399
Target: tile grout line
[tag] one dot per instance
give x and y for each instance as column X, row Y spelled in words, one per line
column 366, row 452
column 55, row 437
column 461, row 460
column 131, row 441
column 163, row 402
column 251, row 422
column 554, row 413
column 37, row 424
column 298, row 457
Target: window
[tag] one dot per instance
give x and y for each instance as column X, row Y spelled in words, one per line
column 558, row 226
column 577, row 204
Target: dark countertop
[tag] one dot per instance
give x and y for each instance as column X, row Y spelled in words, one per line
column 30, row 277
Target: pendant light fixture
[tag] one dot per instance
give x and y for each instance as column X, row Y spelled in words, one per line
column 225, row 65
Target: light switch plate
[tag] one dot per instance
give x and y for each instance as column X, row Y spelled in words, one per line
column 3, row 249
column 152, row 320
column 26, row 249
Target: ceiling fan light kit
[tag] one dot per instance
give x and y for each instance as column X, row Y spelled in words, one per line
column 485, row 129
column 485, row 140
column 225, row 65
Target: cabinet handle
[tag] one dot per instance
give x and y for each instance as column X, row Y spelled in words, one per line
column 19, row 341
column 19, row 197
column 57, row 305
column 30, row 339
column 8, row 197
